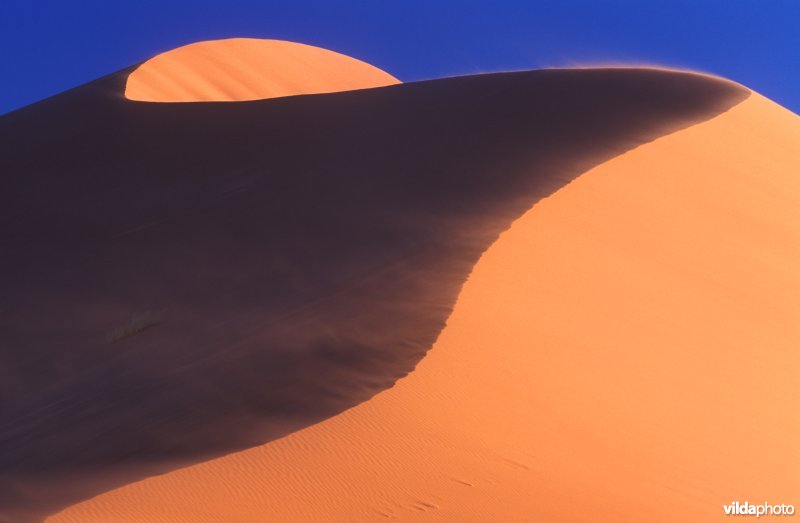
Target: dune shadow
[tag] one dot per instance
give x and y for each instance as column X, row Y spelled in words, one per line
column 181, row 281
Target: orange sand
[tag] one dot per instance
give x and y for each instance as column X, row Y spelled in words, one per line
column 248, row 69
column 628, row 351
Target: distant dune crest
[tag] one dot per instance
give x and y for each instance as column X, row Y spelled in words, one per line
column 239, row 69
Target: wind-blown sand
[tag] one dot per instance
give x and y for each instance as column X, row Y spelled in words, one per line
column 248, row 69
column 627, row 351
column 188, row 280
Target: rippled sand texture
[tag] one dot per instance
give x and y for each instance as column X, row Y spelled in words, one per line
column 248, row 69
column 187, row 281
column 627, row 351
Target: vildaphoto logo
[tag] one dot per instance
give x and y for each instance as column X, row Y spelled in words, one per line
column 765, row 509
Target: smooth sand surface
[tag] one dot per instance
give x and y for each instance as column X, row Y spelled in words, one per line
column 627, row 351
column 186, row 280
column 248, row 69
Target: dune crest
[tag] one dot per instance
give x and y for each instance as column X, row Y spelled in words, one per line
column 239, row 69
column 627, row 351
column 229, row 273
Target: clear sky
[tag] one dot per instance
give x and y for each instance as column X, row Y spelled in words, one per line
column 51, row 45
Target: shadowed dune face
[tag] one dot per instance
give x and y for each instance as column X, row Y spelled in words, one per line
column 248, row 69
column 626, row 351
column 185, row 280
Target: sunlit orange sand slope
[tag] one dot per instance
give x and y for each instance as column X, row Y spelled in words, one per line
column 248, row 69
column 188, row 280
column 628, row 350
column 182, row 281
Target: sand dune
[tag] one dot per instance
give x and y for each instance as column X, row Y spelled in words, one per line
column 627, row 351
column 248, row 69
column 183, row 281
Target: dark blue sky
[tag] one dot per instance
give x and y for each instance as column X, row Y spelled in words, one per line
column 50, row 46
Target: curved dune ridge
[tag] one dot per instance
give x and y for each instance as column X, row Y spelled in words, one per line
column 248, row 69
column 627, row 351
column 229, row 274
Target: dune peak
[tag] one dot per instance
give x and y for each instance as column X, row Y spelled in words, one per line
column 239, row 69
